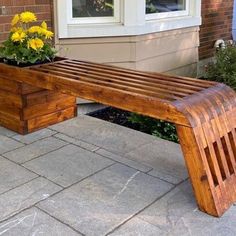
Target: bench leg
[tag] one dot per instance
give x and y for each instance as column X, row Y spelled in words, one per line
column 210, row 155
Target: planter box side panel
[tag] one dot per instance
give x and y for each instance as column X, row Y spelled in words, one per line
column 25, row 108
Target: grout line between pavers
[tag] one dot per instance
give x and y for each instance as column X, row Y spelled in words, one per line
column 41, row 155
column 20, row 185
column 109, row 158
column 79, row 140
column 62, row 222
column 144, row 208
column 35, row 140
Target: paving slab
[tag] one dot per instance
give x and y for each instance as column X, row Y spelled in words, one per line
column 123, row 160
column 164, row 157
column 68, row 165
column 25, row 196
column 177, row 214
column 6, row 132
column 35, row 136
column 8, row 144
column 35, row 150
column 105, row 200
column 137, row 227
column 80, row 143
column 79, row 126
column 12, row 175
column 35, row 222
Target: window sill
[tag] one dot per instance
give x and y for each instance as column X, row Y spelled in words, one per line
column 110, row 30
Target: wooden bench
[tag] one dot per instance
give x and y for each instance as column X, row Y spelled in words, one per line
column 204, row 113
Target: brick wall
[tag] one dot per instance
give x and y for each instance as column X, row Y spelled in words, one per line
column 217, row 23
column 41, row 7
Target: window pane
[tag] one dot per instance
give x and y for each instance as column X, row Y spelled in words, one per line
column 158, row 6
column 93, row 8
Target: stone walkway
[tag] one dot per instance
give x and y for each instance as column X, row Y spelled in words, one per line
column 90, row 177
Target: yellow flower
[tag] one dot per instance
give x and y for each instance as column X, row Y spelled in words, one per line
column 15, row 20
column 17, row 29
column 48, row 34
column 35, row 44
column 18, row 36
column 27, row 17
column 44, row 25
column 35, row 29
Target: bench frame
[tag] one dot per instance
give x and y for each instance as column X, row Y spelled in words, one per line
column 205, row 118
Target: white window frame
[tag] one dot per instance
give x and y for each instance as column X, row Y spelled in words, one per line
column 132, row 22
column 93, row 20
column 162, row 15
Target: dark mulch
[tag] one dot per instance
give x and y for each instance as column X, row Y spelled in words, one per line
column 116, row 116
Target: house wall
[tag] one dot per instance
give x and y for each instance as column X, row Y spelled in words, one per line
column 171, row 51
column 217, row 18
column 8, row 8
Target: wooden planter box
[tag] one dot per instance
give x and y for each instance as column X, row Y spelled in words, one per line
column 25, row 108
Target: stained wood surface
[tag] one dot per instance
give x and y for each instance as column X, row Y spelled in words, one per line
column 25, row 108
column 204, row 113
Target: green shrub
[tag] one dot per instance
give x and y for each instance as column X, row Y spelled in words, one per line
column 223, row 69
column 158, row 128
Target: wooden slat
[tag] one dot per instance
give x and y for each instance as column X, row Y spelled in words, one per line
column 50, row 119
column 111, row 69
column 47, row 108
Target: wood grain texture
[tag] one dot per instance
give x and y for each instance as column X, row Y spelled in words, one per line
column 204, row 113
column 25, row 108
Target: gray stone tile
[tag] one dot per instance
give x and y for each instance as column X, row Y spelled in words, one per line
column 164, row 157
column 12, row 175
column 6, row 132
column 87, row 146
column 177, row 214
column 8, row 144
column 80, row 125
column 115, row 138
column 137, row 227
column 30, row 138
column 128, row 162
column 25, row 196
column 111, row 137
column 35, row 222
column 35, row 149
column 68, row 165
column 103, row 201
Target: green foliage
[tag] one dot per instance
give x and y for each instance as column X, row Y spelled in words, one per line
column 158, row 128
column 223, row 69
column 22, row 54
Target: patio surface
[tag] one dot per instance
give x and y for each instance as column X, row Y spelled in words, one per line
column 89, row 177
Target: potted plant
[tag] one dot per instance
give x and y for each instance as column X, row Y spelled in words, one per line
column 25, row 108
column 27, row 44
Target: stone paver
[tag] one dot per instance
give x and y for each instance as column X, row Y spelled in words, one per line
column 177, row 214
column 82, row 144
column 124, row 160
column 35, row 222
column 25, row 196
column 35, row 149
column 164, row 157
column 111, row 137
column 12, row 175
column 68, row 165
column 137, row 227
column 30, row 138
column 8, row 144
column 6, row 132
column 100, row 203
column 96, row 178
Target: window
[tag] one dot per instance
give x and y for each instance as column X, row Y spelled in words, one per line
column 104, row 18
column 166, row 8
column 94, row 11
